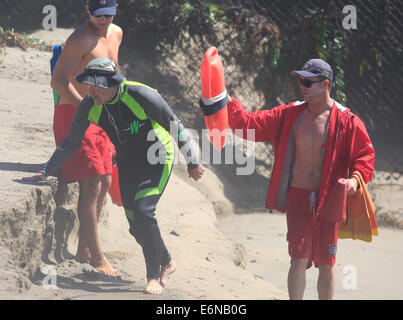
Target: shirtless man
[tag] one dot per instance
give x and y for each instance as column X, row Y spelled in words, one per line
column 91, row 166
column 315, row 142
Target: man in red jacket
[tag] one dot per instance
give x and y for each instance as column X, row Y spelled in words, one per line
column 316, row 142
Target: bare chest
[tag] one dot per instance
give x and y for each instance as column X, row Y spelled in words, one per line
column 105, row 48
column 101, row 48
column 311, row 131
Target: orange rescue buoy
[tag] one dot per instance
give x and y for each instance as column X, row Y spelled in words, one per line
column 214, row 98
column 114, row 189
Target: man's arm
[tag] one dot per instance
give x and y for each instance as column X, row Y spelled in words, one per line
column 159, row 110
column 119, row 34
column 72, row 142
column 361, row 153
column 75, row 48
column 265, row 123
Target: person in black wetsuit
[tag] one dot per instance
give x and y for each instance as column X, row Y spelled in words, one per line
column 142, row 127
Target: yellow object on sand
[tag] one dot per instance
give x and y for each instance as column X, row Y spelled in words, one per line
column 361, row 223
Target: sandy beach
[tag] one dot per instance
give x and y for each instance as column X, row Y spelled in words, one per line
column 364, row 271
column 220, row 254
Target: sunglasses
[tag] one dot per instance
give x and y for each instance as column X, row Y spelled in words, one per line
column 308, row 83
column 107, row 16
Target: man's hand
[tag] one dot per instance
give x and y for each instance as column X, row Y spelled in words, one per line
column 196, row 173
column 37, row 177
column 352, row 185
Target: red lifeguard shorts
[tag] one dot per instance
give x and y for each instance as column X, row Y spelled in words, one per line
column 307, row 236
column 94, row 158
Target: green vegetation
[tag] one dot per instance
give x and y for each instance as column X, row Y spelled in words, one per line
column 262, row 46
column 9, row 38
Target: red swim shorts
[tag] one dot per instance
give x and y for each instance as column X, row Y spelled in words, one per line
column 307, row 236
column 94, row 158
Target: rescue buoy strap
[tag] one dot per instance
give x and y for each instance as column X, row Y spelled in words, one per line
column 211, row 109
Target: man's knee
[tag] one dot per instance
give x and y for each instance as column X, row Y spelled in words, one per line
column 90, row 188
column 299, row 264
column 135, row 229
column 141, row 216
column 326, row 269
column 144, row 209
column 106, row 181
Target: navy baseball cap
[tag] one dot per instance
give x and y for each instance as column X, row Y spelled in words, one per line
column 102, row 7
column 315, row 68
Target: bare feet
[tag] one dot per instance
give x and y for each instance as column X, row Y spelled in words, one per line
column 105, row 267
column 166, row 271
column 83, row 256
column 153, row 287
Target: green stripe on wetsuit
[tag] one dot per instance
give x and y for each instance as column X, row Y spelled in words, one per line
column 166, row 140
column 96, row 110
column 95, row 113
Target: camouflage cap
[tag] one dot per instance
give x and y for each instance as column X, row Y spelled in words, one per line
column 101, row 72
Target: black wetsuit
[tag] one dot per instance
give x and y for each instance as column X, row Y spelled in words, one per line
column 142, row 127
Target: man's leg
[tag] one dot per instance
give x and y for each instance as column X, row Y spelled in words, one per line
column 83, row 252
column 299, row 237
column 326, row 282
column 168, row 265
column 144, row 228
column 106, row 181
column 297, row 279
column 89, row 245
column 326, row 258
column 141, row 186
column 86, row 206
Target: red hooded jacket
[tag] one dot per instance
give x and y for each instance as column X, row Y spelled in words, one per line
column 348, row 146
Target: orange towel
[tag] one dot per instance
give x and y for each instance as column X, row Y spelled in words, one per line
column 361, row 223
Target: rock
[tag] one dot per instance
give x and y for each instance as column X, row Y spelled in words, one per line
column 173, row 232
column 239, row 255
